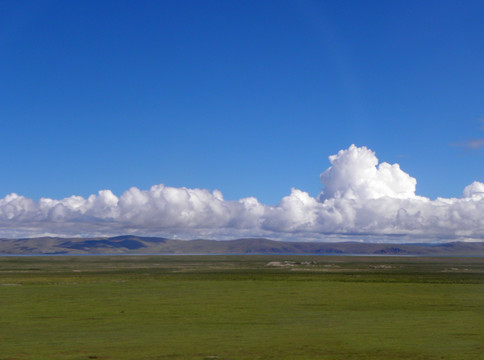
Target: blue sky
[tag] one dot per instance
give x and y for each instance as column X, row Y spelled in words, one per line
column 246, row 97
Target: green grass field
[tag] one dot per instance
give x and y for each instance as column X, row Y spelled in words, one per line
column 237, row 307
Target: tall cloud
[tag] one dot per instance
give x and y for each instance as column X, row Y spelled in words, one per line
column 362, row 199
column 355, row 173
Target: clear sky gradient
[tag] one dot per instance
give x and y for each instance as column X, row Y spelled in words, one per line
column 247, row 97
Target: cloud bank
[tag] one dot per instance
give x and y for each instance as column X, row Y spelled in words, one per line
column 362, row 200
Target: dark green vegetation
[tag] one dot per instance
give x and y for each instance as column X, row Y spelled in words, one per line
column 130, row 244
column 238, row 307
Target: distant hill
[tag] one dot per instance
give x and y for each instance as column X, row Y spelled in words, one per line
column 129, row 244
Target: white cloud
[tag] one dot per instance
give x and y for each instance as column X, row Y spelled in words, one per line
column 476, row 189
column 355, row 173
column 362, row 199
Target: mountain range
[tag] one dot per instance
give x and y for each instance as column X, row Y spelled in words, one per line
column 130, row 244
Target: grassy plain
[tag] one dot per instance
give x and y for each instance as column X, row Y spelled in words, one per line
column 237, row 307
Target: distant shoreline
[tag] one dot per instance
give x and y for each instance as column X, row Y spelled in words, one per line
column 245, row 254
column 130, row 245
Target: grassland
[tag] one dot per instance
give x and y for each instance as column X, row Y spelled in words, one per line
column 237, row 307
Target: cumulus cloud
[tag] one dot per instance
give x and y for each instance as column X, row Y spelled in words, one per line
column 476, row 189
column 362, row 199
column 355, row 173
